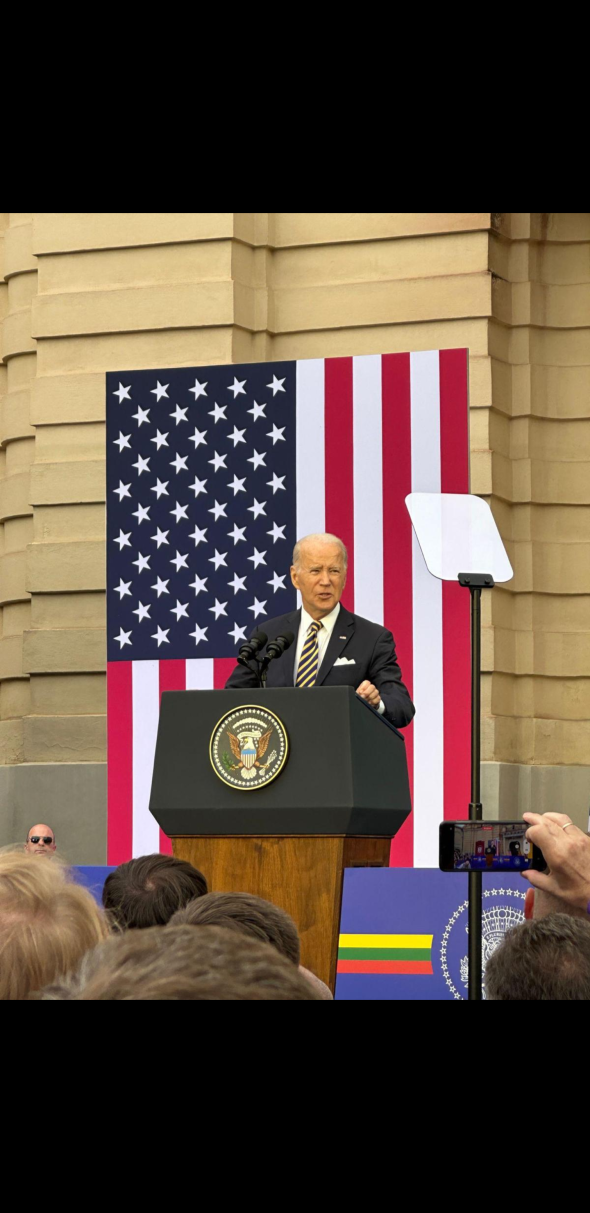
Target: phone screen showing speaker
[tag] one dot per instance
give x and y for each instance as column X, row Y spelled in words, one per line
column 485, row 846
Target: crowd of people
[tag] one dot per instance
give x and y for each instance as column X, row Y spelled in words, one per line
column 161, row 935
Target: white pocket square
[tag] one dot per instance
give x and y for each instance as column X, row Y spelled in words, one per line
column 345, row 661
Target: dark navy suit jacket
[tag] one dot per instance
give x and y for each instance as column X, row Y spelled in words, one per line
column 369, row 648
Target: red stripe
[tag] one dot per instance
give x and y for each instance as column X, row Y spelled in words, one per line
column 397, row 550
column 384, row 966
column 454, row 458
column 339, row 461
column 172, row 678
column 222, row 668
column 120, row 762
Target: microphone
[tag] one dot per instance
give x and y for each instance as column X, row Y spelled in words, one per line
column 279, row 645
column 252, row 647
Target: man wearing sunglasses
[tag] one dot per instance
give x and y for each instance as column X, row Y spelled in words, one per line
column 40, row 840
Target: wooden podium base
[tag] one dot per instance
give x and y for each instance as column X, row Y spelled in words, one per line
column 301, row 873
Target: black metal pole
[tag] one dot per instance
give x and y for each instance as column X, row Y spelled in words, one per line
column 475, row 974
column 475, row 805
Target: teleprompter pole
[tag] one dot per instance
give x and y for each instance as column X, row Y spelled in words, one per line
column 475, row 582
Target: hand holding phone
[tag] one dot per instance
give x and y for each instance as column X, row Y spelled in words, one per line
column 567, row 852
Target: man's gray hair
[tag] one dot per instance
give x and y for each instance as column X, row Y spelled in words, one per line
column 323, row 537
column 547, row 960
column 180, row 964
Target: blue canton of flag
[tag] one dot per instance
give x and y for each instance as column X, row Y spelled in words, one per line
column 201, row 507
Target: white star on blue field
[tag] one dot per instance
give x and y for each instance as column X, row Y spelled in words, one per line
column 201, row 507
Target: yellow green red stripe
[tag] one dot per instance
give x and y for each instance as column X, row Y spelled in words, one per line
column 384, row 953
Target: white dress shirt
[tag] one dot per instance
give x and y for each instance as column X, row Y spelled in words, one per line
column 324, row 634
column 328, row 624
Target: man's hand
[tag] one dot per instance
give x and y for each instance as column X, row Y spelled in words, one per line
column 567, row 854
column 370, row 693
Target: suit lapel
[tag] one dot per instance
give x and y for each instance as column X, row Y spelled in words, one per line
column 284, row 666
column 344, row 627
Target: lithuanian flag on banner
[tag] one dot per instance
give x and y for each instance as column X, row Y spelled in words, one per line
column 385, row 954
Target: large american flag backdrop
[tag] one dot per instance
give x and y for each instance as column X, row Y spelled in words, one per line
column 212, row 474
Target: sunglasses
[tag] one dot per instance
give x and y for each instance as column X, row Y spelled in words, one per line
column 38, row 838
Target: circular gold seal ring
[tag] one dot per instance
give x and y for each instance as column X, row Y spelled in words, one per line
column 248, row 747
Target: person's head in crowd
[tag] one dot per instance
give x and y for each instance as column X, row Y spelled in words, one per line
column 247, row 914
column 546, row 960
column 40, row 840
column 47, row 923
column 251, row 915
column 146, row 892
column 179, row 964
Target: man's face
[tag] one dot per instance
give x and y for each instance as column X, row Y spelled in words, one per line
column 37, row 843
column 320, row 577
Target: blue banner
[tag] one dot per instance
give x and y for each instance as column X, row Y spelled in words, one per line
column 419, row 918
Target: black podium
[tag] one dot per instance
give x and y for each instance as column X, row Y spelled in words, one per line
column 341, row 795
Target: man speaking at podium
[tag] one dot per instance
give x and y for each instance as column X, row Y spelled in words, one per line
column 331, row 646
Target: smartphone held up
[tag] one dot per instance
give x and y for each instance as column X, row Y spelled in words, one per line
column 487, row 846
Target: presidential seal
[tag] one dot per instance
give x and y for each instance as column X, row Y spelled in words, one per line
column 502, row 910
column 248, row 747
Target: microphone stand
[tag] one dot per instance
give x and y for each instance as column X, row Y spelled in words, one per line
column 251, row 661
column 263, row 671
column 254, row 665
column 277, row 647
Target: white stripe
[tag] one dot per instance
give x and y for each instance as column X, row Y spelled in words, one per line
column 428, row 724
column 311, row 472
column 427, row 619
column 146, row 709
column 425, row 412
column 368, row 487
column 199, row 674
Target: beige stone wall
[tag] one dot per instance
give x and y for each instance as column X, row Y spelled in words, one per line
column 87, row 293
column 17, row 439
column 537, row 470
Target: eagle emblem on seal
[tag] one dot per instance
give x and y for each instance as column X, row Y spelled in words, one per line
column 248, row 748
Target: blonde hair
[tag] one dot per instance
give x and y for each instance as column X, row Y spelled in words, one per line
column 47, row 923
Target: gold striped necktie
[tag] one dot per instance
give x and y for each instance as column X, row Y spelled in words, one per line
column 307, row 670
